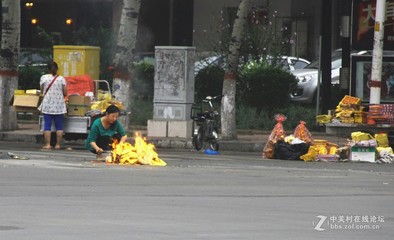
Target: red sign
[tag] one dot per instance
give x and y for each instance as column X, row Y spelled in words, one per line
column 364, row 23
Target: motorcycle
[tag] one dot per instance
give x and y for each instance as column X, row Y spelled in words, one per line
column 205, row 130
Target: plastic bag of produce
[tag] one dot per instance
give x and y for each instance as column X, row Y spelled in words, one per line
column 302, row 132
column 277, row 133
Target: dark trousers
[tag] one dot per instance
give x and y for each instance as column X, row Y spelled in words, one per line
column 105, row 142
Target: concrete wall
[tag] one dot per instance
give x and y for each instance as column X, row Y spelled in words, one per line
column 309, row 11
column 208, row 15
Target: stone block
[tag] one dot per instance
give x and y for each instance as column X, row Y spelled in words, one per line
column 181, row 129
column 157, row 128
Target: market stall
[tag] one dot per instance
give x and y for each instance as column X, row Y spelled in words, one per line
column 362, row 145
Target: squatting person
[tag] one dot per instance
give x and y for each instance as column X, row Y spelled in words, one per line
column 103, row 130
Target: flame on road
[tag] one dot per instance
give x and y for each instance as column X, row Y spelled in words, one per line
column 141, row 153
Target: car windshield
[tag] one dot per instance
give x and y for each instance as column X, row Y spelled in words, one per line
column 314, row 64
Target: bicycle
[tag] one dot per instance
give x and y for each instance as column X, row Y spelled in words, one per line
column 204, row 129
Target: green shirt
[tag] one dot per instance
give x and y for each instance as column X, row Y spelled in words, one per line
column 97, row 129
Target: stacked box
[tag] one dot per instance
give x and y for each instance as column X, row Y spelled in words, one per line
column 346, row 109
column 78, row 105
column 350, row 100
column 362, row 154
column 360, row 117
column 377, row 113
column 388, row 110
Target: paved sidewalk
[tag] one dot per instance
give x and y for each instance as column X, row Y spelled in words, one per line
column 248, row 141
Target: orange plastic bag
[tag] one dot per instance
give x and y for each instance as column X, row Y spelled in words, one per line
column 301, row 132
column 79, row 85
column 278, row 133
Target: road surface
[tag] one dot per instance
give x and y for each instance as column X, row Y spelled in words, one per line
column 67, row 195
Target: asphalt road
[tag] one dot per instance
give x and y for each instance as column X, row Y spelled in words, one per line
column 67, row 195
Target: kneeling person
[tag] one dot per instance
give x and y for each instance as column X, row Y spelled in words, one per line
column 103, row 130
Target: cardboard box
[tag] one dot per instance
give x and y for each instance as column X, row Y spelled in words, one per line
column 26, row 103
column 79, row 100
column 78, row 105
column 362, row 154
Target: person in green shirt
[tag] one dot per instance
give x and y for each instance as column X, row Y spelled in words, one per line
column 103, row 130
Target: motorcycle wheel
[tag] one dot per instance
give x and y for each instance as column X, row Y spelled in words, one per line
column 198, row 140
column 214, row 145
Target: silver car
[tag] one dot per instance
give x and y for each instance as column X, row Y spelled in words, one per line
column 307, row 79
column 291, row 63
column 288, row 63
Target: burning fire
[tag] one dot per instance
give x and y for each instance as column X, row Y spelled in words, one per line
column 141, row 153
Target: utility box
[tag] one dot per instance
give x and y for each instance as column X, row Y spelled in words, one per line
column 77, row 60
column 174, row 82
column 173, row 92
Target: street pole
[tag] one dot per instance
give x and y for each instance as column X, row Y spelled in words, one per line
column 344, row 75
column 318, row 82
column 325, row 55
column 377, row 56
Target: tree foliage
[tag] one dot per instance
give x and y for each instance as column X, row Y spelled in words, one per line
column 264, row 86
column 102, row 37
column 209, row 82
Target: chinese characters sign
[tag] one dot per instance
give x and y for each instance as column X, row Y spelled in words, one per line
column 364, row 21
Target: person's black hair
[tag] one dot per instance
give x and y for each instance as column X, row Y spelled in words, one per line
column 112, row 109
column 52, row 64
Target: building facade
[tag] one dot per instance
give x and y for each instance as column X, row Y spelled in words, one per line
column 179, row 22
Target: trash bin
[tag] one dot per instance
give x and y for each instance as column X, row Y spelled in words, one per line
column 77, row 60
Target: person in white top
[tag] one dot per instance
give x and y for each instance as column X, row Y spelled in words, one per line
column 53, row 106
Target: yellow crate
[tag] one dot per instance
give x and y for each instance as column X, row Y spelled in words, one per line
column 321, row 142
column 360, row 117
column 350, row 100
column 323, row 118
column 19, row 92
column 361, row 136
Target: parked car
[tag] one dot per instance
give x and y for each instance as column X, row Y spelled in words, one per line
column 287, row 62
column 306, row 90
column 291, row 63
column 33, row 57
column 218, row 60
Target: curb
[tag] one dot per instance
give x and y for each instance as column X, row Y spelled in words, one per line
column 32, row 138
column 178, row 143
column 164, row 143
column 248, row 141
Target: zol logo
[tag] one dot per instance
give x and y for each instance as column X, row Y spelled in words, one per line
column 319, row 224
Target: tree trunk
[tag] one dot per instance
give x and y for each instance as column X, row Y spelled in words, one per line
column 10, row 41
column 123, row 68
column 229, row 83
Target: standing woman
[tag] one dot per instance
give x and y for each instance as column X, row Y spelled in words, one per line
column 53, row 104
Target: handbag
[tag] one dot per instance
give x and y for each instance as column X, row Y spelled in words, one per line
column 50, row 85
